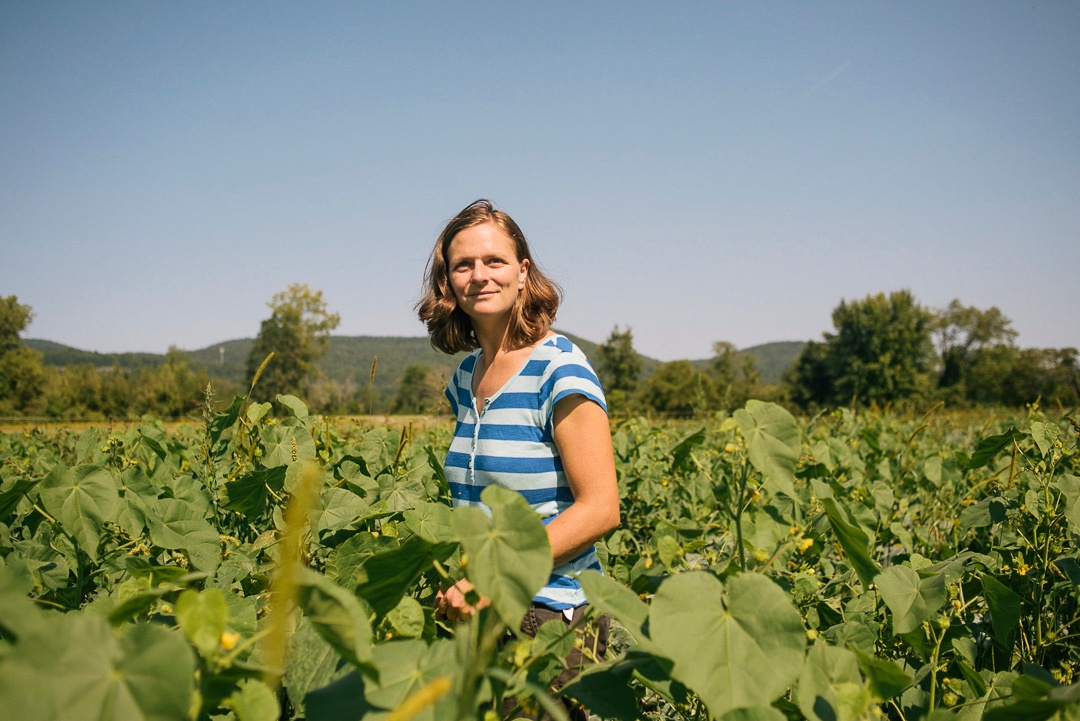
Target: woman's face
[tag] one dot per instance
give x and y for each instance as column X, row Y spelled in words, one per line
column 485, row 272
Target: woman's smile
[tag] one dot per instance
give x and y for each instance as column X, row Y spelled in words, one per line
column 485, row 272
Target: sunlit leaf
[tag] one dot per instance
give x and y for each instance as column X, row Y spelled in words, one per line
column 339, row 616
column 911, row 598
column 201, row 615
column 736, row 645
column 177, row 525
column 82, row 499
column 854, row 542
column 830, row 687
column 509, row 554
column 772, row 442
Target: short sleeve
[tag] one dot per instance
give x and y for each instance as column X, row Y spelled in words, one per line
column 569, row 374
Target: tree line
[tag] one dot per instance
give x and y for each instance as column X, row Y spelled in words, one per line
column 884, row 349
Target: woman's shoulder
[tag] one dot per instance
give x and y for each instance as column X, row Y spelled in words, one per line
column 560, row 350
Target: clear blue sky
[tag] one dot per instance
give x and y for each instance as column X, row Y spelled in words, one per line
column 695, row 171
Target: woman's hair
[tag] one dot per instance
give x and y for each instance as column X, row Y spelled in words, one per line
column 449, row 328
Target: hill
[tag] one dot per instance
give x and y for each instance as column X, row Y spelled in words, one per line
column 349, row 358
column 775, row 358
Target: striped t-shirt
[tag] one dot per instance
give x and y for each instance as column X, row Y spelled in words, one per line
column 509, row 441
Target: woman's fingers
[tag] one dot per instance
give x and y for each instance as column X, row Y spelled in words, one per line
column 452, row 604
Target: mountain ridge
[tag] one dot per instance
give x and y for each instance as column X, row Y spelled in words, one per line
column 349, row 359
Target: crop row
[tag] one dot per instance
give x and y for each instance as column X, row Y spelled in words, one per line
column 268, row 564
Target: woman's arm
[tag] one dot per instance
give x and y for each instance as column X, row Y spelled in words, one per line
column 583, row 437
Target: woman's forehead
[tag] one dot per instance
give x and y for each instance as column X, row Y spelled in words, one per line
column 481, row 240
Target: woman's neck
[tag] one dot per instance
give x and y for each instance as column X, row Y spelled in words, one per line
column 492, row 339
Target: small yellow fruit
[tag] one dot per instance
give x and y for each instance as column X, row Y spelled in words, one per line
column 228, row 640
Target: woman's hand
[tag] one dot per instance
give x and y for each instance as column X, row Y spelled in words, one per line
column 452, row 603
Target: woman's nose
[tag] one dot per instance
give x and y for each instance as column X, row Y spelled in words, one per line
column 480, row 271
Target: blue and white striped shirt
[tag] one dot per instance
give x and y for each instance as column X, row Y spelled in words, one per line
column 510, row 442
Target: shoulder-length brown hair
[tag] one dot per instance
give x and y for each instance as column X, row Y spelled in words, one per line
column 449, row 328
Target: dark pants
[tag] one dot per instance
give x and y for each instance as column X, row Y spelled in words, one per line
column 593, row 636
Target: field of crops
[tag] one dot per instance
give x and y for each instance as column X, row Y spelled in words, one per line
column 271, row 564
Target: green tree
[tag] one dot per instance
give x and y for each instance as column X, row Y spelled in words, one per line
column 298, row 334
column 419, row 392
column 619, row 367
column 809, row 380
column 22, row 377
column 882, row 350
column 734, row 374
column 964, row 332
column 679, row 390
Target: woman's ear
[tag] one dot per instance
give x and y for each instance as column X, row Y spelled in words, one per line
column 523, row 274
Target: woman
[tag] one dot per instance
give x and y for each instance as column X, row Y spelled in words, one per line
column 531, row 415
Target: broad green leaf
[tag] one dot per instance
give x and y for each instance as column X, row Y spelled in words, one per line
column 736, row 645
column 153, row 439
column 911, row 598
column 392, row 573
column 1069, row 485
column 342, row 700
column 830, row 687
column 50, row 568
column 251, row 493
column 201, row 615
column 87, row 445
column 434, row 522
column 1005, row 608
column 407, row 666
column 1044, row 435
column 257, row 411
column 82, row 499
column 340, row 509
column 254, row 701
column 178, row 525
column 294, row 405
column 986, row 512
column 287, row 443
column 407, row 618
column 401, row 493
column 682, row 449
column 992, row 445
column 313, row 663
column 977, row 682
column 772, row 442
column 73, row 666
column 509, row 554
column 16, row 577
column 854, row 542
column 378, row 448
column 606, row 688
column 135, row 491
column 1070, row 567
column 10, row 497
column 339, row 616
column 616, row 600
column 886, row 679
column 754, row 713
column 345, row 564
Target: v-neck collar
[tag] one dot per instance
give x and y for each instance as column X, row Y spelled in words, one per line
column 490, row 399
